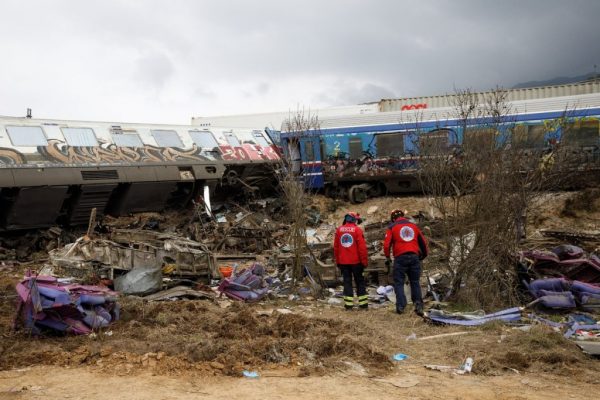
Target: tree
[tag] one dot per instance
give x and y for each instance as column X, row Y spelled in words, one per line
column 483, row 188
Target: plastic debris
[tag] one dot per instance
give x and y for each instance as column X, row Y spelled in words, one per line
column 399, row 357
column 468, row 365
column 250, row 374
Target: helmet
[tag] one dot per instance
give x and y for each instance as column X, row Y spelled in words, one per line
column 395, row 214
column 353, row 218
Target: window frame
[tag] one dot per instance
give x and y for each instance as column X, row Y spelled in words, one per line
column 7, row 129
column 153, row 132
column 388, row 135
column 352, row 141
column 434, row 135
column 127, row 133
column 62, row 130
column 231, row 135
column 577, row 142
column 210, row 134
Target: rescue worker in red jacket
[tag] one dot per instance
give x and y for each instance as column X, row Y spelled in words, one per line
column 408, row 245
column 350, row 253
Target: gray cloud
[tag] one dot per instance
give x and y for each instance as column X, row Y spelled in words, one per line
column 69, row 59
column 345, row 93
column 154, row 69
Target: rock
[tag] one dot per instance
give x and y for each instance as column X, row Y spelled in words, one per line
column 217, row 365
column 372, row 210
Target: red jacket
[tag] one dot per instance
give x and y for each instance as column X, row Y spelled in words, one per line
column 404, row 237
column 349, row 246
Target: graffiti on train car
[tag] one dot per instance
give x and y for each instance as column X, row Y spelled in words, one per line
column 58, row 151
column 367, row 166
column 11, row 156
column 248, row 152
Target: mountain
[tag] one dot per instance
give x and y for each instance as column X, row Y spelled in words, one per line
column 561, row 80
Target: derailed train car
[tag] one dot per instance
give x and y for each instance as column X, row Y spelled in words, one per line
column 360, row 156
column 54, row 171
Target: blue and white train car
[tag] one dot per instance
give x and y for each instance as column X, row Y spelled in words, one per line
column 365, row 155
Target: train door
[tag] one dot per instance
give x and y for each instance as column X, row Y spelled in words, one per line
column 312, row 168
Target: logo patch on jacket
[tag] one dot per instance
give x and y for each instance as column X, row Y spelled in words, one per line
column 346, row 240
column 407, row 233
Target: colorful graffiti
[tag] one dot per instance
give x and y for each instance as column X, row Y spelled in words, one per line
column 248, row 152
column 368, row 167
column 58, row 151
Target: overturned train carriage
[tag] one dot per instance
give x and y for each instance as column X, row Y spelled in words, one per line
column 360, row 156
column 57, row 171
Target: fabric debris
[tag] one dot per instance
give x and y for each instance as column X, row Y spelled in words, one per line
column 247, row 285
column 473, row 319
column 46, row 304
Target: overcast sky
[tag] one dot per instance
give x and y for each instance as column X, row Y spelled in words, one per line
column 166, row 61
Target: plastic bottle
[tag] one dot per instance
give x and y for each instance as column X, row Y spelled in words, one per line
column 468, row 366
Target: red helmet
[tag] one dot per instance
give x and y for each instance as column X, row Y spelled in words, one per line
column 352, row 217
column 395, row 214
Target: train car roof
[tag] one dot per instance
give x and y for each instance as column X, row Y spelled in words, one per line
column 544, row 108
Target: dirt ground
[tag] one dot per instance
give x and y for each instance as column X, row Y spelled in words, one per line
column 187, row 349
column 404, row 383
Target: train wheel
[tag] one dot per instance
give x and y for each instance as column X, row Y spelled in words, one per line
column 357, row 194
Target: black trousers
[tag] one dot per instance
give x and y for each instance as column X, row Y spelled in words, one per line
column 356, row 272
column 407, row 264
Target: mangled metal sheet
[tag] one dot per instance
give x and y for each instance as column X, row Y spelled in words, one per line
column 129, row 249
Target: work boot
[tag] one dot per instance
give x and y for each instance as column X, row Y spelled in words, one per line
column 348, row 308
column 419, row 309
column 399, row 310
column 364, row 307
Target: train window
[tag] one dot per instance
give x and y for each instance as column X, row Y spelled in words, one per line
column 390, row 144
column 433, row 142
column 26, row 136
column 260, row 139
column 528, row 136
column 204, row 139
column 127, row 140
column 309, row 150
column 167, row 138
column 583, row 133
column 232, row 140
column 80, row 137
column 355, row 147
column 479, row 137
